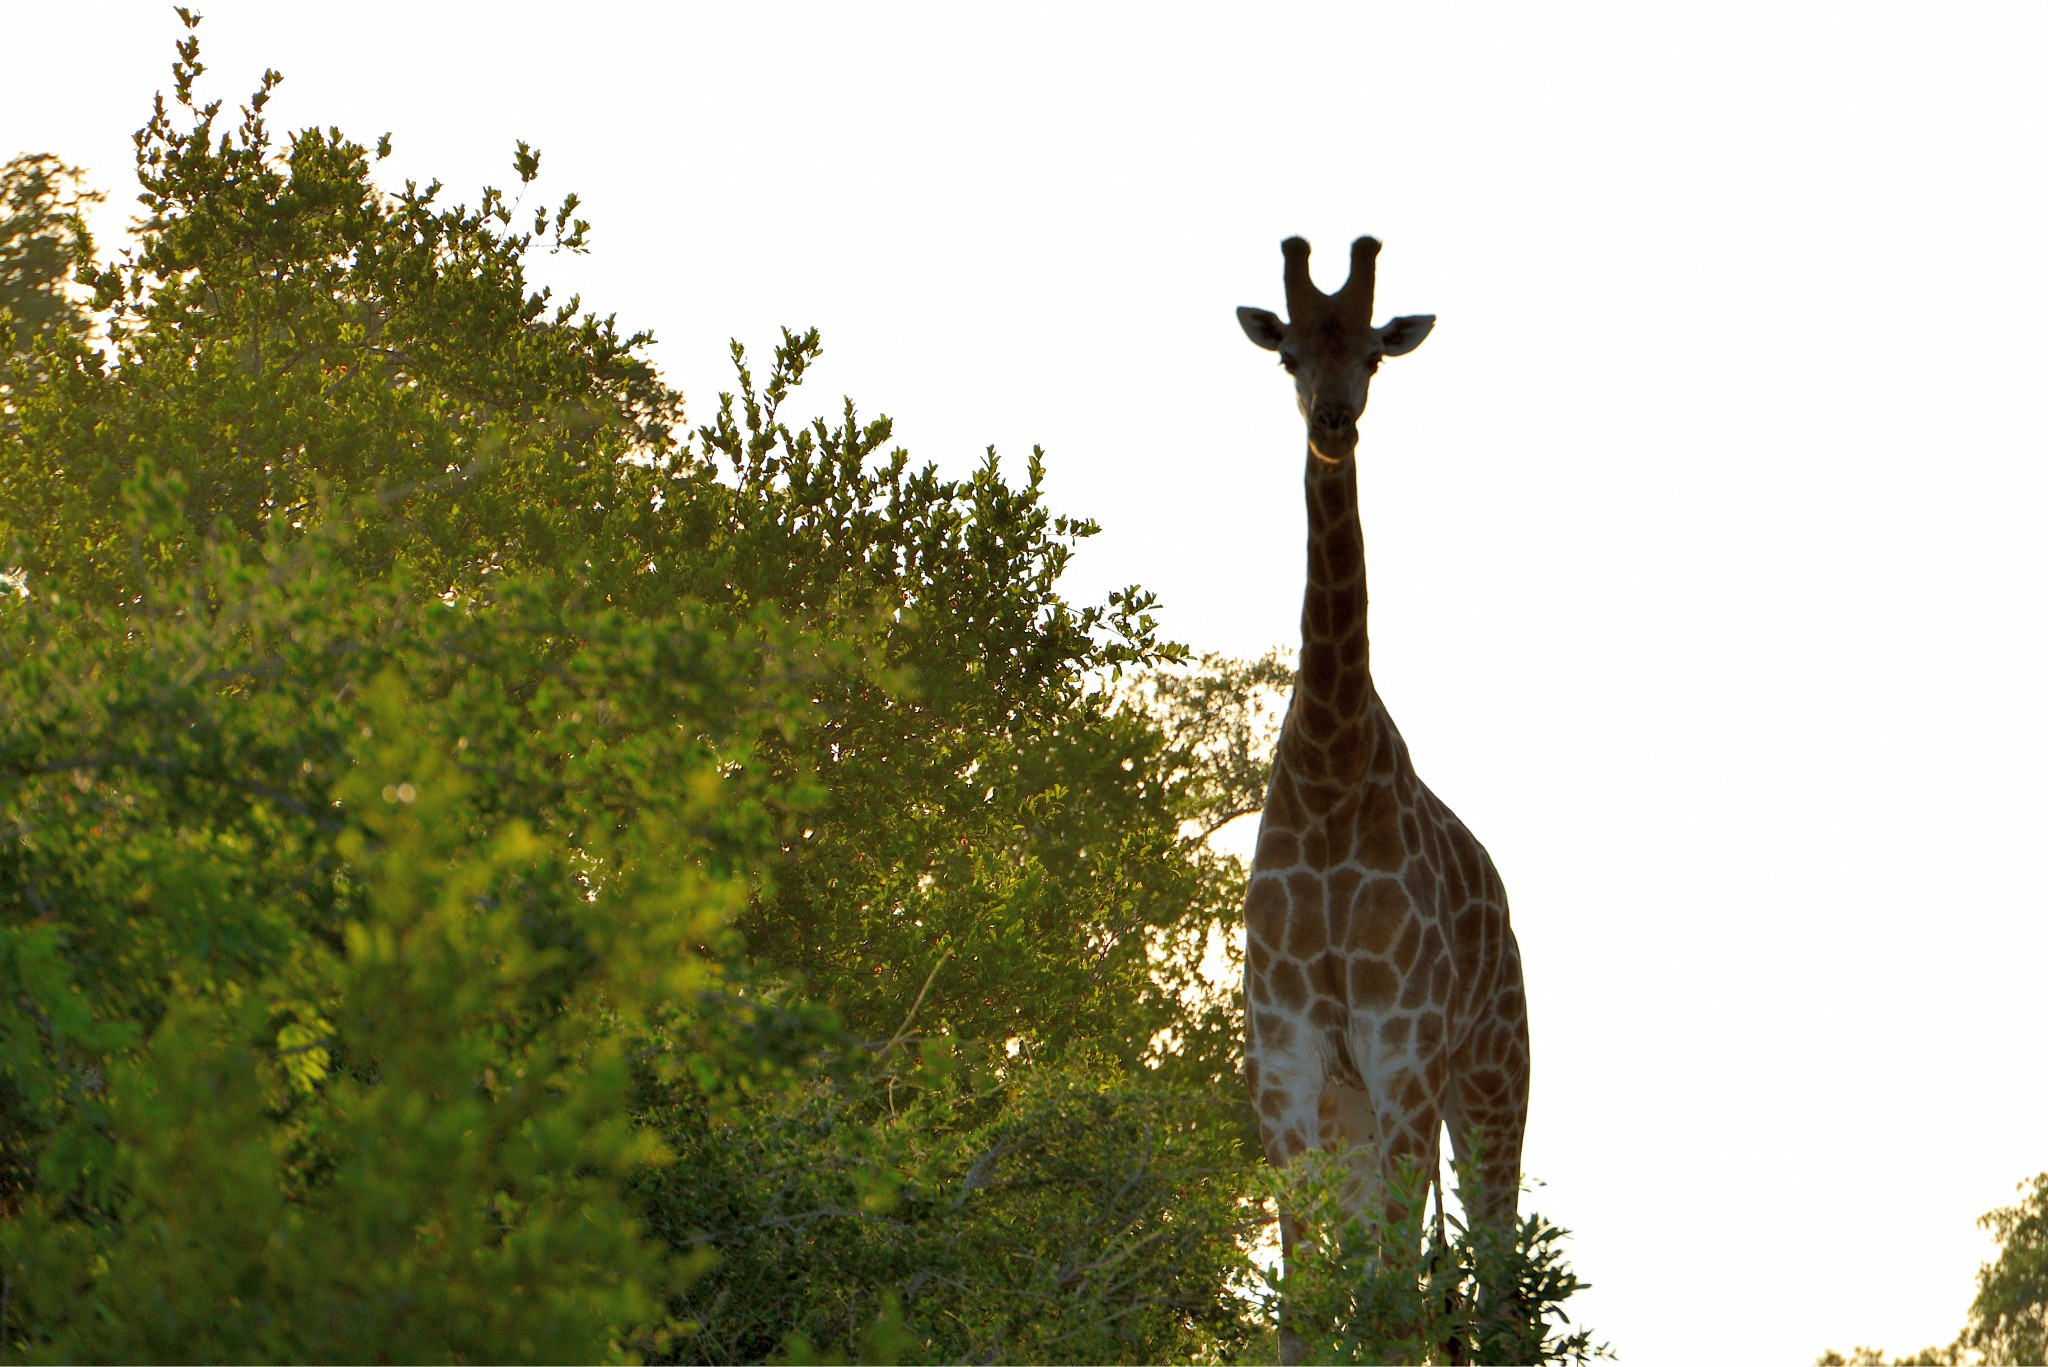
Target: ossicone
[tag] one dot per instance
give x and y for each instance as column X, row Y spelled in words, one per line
column 1303, row 298
column 1356, row 296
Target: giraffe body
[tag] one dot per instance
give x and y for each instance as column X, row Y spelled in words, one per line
column 1383, row 984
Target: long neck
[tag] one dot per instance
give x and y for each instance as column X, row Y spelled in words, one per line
column 1334, row 692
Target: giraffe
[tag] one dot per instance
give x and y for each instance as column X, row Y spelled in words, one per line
column 1383, row 984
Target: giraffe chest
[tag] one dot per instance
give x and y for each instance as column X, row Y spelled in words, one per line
column 1353, row 937
column 1377, row 912
column 1346, row 892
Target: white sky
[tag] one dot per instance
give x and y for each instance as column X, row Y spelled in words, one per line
column 1704, row 531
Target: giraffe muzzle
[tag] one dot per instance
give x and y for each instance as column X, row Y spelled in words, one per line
column 1333, row 432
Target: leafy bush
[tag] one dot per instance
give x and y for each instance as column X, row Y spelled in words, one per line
column 1366, row 1289
column 330, row 907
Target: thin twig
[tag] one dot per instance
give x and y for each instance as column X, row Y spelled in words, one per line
column 903, row 1030
column 1220, row 822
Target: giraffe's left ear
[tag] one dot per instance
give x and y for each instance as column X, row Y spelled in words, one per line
column 1403, row 335
column 1262, row 326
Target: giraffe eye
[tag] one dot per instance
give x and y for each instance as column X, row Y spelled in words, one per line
column 1288, row 363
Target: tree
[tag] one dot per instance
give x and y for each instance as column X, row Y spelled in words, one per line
column 2009, row 1318
column 398, row 719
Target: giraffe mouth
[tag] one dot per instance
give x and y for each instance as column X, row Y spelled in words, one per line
column 1334, row 448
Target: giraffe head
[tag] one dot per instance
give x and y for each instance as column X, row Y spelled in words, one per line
column 1329, row 345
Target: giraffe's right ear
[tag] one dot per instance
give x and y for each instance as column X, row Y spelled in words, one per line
column 1262, row 326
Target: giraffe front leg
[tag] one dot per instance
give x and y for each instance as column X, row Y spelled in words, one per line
column 1351, row 1130
column 1287, row 1095
column 1487, row 1148
column 1489, row 1106
column 1406, row 1065
column 1293, row 1348
column 1406, row 1087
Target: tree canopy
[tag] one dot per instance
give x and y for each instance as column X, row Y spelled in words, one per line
column 2009, row 1318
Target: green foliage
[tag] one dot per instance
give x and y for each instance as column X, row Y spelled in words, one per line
column 43, row 241
column 286, row 336
column 1366, row 1289
column 1224, row 718
column 983, row 803
column 486, row 872
column 1037, row 1214
column 2009, row 1318
column 332, row 907
column 996, row 893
